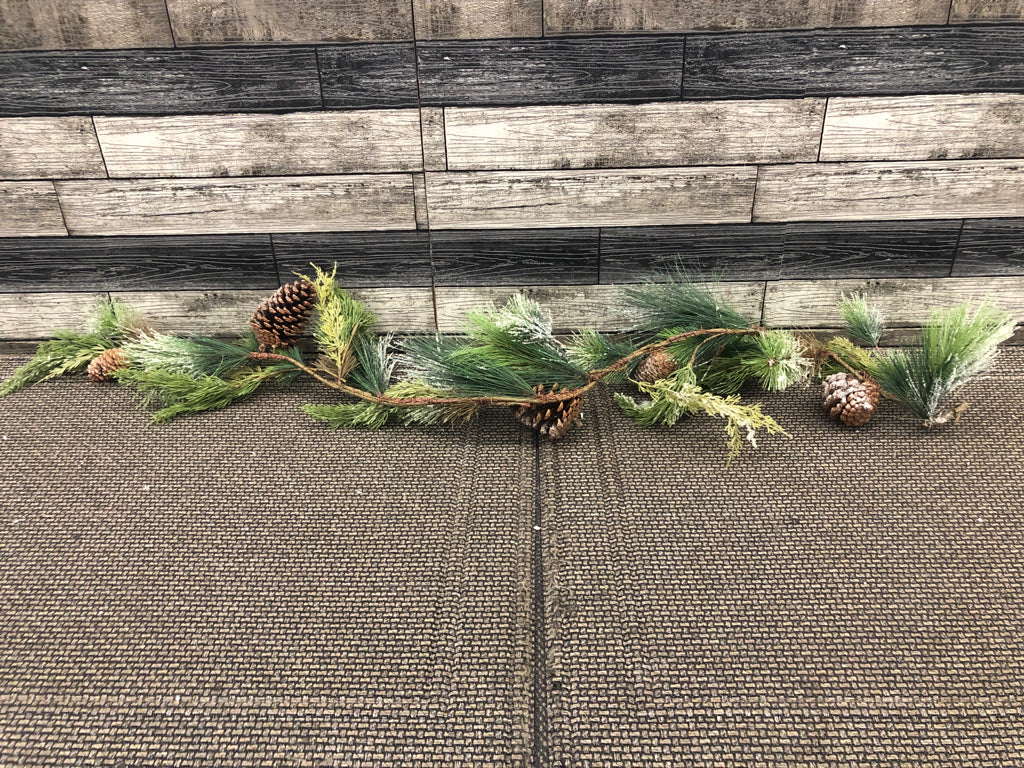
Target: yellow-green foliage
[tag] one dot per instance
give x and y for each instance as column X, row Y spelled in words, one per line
column 340, row 322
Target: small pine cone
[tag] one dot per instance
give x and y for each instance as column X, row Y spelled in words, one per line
column 280, row 320
column 655, row 366
column 553, row 419
column 849, row 399
column 104, row 364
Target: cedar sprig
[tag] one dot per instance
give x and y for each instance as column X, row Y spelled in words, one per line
column 340, row 323
column 177, row 394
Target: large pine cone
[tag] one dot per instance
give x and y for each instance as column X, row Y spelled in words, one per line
column 553, row 419
column 655, row 366
column 849, row 399
column 104, row 364
column 280, row 320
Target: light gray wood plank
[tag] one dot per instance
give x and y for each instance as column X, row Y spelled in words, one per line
column 986, row 10
column 226, row 313
column 49, row 148
column 38, row 315
column 582, row 16
column 574, row 306
column 858, row 191
column 363, row 141
column 931, row 127
column 66, row 24
column 478, row 200
column 210, row 206
column 473, row 19
column 815, row 303
column 435, row 152
column 623, row 136
column 29, row 208
column 198, row 22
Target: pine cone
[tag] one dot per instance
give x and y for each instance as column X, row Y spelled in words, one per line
column 849, row 399
column 655, row 366
column 104, row 364
column 553, row 419
column 280, row 320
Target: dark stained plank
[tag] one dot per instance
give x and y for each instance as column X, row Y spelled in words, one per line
column 453, row 19
column 252, row 21
column 869, row 249
column 154, row 82
column 990, row 247
column 193, row 262
column 364, row 259
column 515, row 257
column 852, row 62
column 728, row 252
column 370, row 75
column 51, row 24
column 986, row 10
column 565, row 71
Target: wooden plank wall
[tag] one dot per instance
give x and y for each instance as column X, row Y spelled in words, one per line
column 191, row 156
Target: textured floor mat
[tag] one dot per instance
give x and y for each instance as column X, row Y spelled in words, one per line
column 250, row 588
column 838, row 598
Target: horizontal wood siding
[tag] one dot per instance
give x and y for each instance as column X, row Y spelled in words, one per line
column 377, row 76
column 261, row 145
column 665, row 134
column 38, row 315
column 445, row 19
column 29, row 208
column 986, row 10
column 211, row 206
column 482, row 200
column 850, row 191
column 515, row 257
column 990, row 247
column 52, row 24
column 363, row 259
column 49, row 148
column 971, row 126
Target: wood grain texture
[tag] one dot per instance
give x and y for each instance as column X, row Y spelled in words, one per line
column 138, row 263
column 990, row 247
column 515, row 257
column 567, row 71
column 159, row 82
column 444, row 19
column 435, row 151
column 197, row 22
column 49, row 148
column 573, row 307
column 588, row 16
column 814, row 303
column 986, row 10
column 372, row 75
column 887, row 191
column 38, row 315
column 931, row 127
column 212, row 206
column 226, row 313
column 362, row 141
column 29, row 208
column 364, row 259
column 55, row 24
column 660, row 134
column 496, row 200
column 420, row 203
column 855, row 62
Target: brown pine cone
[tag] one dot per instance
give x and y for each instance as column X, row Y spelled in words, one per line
column 104, row 364
column 655, row 366
column 553, row 419
column 849, row 399
column 280, row 320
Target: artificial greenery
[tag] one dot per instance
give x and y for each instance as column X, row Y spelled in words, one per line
column 864, row 322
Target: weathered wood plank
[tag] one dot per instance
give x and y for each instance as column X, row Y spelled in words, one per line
column 363, row 141
column 515, row 257
column 435, row 151
column 567, row 71
column 197, row 22
column 990, row 247
column 973, row 126
column 589, row 16
column 38, row 315
column 986, row 10
column 29, row 208
column 159, row 82
column 49, row 148
column 50, row 24
column 622, row 136
column 526, row 199
column 887, row 191
column 211, row 206
column 372, row 75
column 226, row 313
column 574, row 307
column 188, row 262
column 815, row 303
column 438, row 19
column 364, row 259
column 422, row 211
column 855, row 62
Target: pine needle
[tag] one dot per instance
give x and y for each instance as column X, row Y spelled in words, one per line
column 777, row 360
column 863, row 322
column 181, row 393
column 591, row 351
column 680, row 304
column 196, row 356
column 376, row 365
column 68, row 352
column 361, row 415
